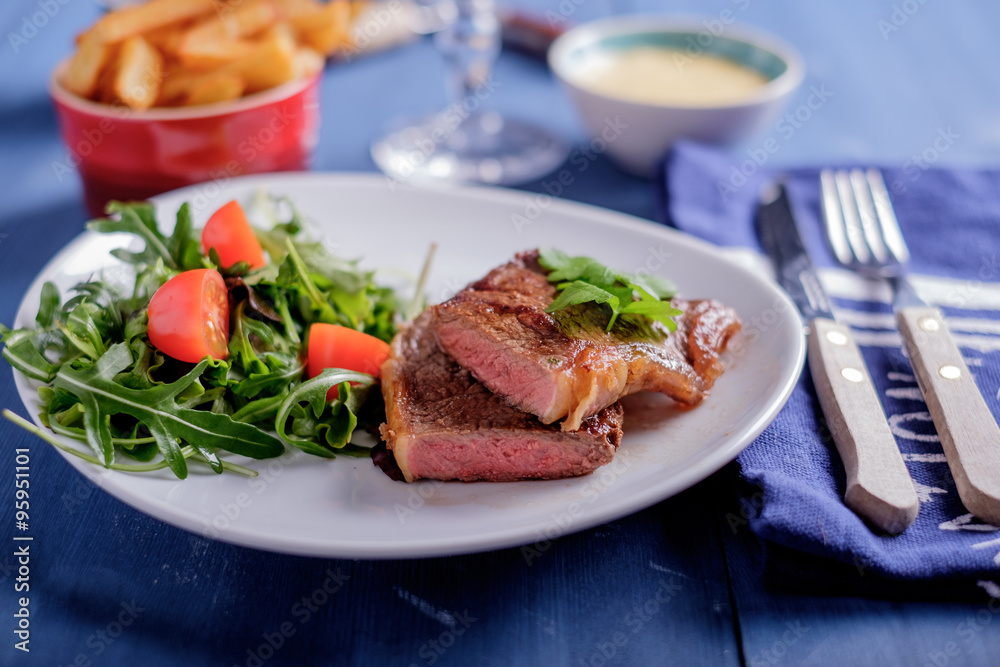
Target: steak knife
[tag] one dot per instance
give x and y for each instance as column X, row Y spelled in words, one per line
column 879, row 488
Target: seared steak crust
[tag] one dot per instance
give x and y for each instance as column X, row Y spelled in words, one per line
column 443, row 424
column 564, row 364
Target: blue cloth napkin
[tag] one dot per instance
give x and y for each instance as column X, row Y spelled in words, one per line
column 793, row 478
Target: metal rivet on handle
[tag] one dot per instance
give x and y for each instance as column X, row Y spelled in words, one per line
column 929, row 324
column 950, row 372
column 852, row 374
column 836, row 337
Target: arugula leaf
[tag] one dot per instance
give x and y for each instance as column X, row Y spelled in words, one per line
column 240, row 348
column 661, row 311
column 334, row 422
column 260, row 410
column 276, row 380
column 48, row 305
column 187, row 452
column 21, row 352
column 585, row 280
column 158, row 411
column 581, row 292
column 136, row 219
column 659, row 287
column 183, row 245
column 107, row 386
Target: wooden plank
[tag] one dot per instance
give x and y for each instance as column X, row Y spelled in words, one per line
column 798, row 622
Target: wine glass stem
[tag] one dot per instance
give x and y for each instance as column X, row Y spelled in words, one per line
column 470, row 45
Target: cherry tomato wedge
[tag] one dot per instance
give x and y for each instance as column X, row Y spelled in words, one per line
column 189, row 316
column 334, row 346
column 232, row 237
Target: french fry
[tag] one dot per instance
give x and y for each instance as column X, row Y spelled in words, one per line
column 272, row 61
column 358, row 8
column 245, row 20
column 218, row 40
column 307, row 62
column 168, row 38
column 85, row 67
column 185, row 52
column 212, row 88
column 326, row 30
column 296, row 9
column 251, row 18
column 119, row 26
column 177, row 84
column 105, row 82
column 212, row 54
column 140, row 70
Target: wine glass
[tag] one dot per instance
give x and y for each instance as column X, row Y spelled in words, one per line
column 467, row 142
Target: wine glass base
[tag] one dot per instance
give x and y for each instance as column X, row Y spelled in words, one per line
column 483, row 148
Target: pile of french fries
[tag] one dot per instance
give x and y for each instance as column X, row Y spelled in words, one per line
column 168, row 53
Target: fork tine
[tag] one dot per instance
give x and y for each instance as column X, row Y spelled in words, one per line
column 891, row 232
column 866, row 213
column 852, row 223
column 833, row 218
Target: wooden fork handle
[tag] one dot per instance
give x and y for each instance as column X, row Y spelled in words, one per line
column 879, row 487
column 969, row 434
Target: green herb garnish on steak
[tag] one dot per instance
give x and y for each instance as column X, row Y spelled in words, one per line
column 585, row 280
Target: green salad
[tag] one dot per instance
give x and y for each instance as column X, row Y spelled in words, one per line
column 211, row 348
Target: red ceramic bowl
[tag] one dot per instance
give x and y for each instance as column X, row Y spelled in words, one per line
column 128, row 155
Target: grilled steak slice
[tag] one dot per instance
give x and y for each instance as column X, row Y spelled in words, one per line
column 442, row 424
column 564, row 364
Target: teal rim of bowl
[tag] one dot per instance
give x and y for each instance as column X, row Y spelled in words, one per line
column 769, row 64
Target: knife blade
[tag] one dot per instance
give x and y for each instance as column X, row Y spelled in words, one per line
column 879, row 487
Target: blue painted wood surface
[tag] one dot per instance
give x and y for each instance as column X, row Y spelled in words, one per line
column 669, row 585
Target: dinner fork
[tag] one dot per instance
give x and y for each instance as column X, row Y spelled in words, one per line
column 865, row 237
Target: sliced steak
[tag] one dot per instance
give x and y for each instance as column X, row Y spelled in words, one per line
column 442, row 424
column 564, row 364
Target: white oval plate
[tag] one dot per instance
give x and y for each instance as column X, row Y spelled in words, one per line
column 346, row 508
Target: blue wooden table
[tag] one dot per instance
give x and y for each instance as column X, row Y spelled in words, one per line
column 674, row 584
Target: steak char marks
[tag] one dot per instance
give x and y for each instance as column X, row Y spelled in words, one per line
column 443, row 424
column 564, row 365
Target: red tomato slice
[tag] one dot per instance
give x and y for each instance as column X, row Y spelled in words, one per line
column 232, row 237
column 334, row 346
column 189, row 316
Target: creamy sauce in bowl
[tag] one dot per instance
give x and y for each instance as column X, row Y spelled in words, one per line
column 668, row 76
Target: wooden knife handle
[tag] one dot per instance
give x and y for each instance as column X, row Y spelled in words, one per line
column 879, row 487
column 969, row 434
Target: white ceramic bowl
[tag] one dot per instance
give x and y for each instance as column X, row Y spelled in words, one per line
column 636, row 134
